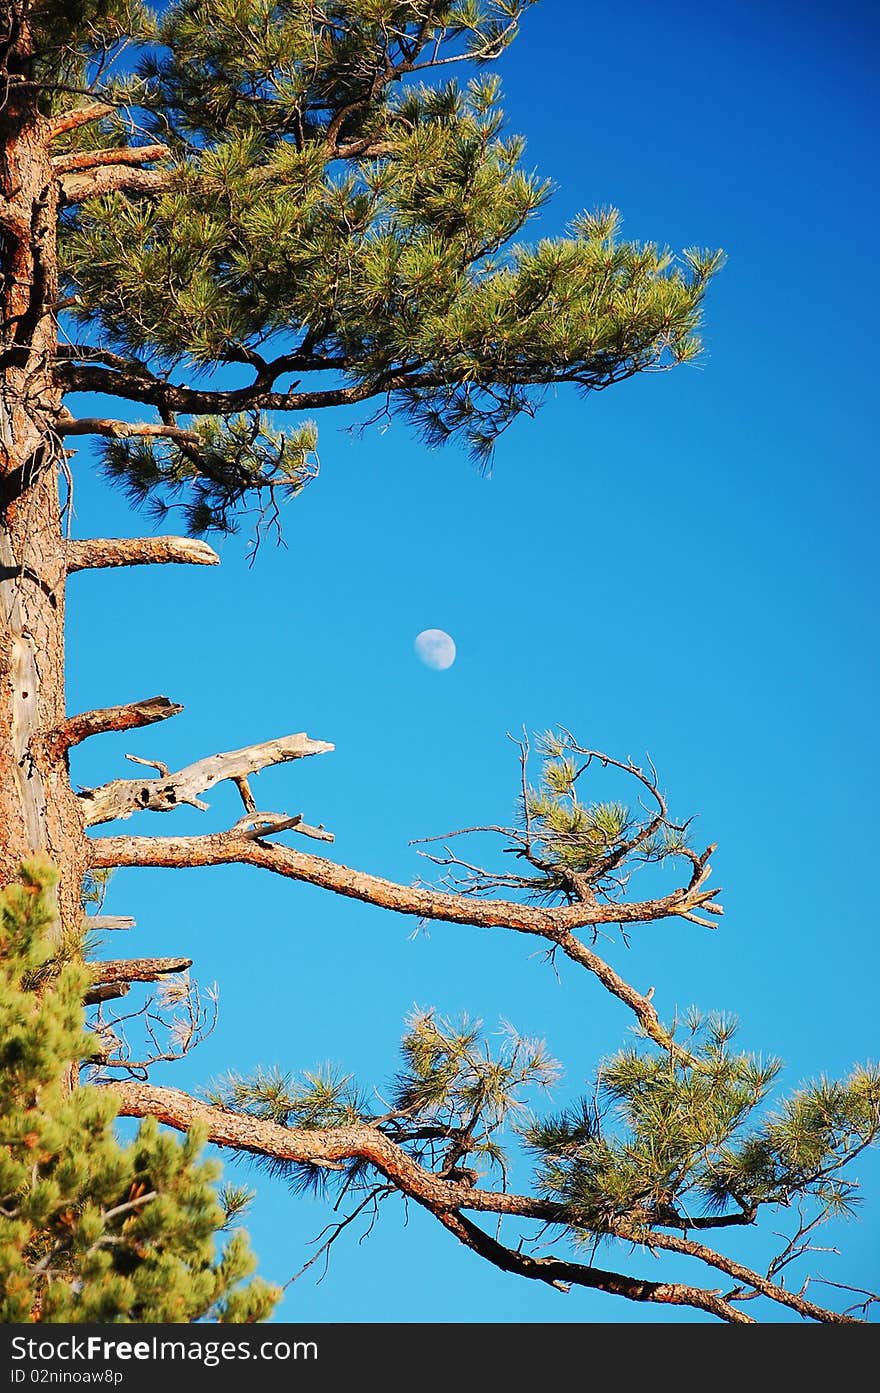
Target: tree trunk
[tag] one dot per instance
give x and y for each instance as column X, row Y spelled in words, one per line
column 38, row 809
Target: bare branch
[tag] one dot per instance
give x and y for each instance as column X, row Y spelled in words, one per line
column 96, row 183
column 302, row 829
column 174, row 1021
column 151, row 764
column 122, row 797
column 111, row 718
column 124, row 430
column 80, row 116
column 92, row 159
column 257, row 824
column 872, row 1297
column 109, row 992
column 752, row 1279
column 96, row 552
column 137, row 969
column 247, row 796
column 372, row 1199
column 109, row 923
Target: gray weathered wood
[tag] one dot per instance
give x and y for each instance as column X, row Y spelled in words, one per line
column 123, row 797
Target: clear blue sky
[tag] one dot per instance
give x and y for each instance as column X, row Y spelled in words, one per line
column 684, row 566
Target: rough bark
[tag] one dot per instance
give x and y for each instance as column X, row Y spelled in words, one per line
column 95, row 552
column 78, row 116
column 137, row 969
column 104, row 179
column 114, row 718
column 37, row 806
column 233, row 847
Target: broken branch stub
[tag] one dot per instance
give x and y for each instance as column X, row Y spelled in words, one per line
column 114, row 718
column 136, row 969
column 105, row 991
column 93, row 553
column 123, row 797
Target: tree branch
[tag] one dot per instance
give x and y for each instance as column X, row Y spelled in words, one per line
column 80, row 116
column 111, row 992
column 94, row 159
column 308, row 1145
column 124, row 430
column 556, row 924
column 160, row 795
column 111, row 718
column 745, row 1275
column 137, row 969
column 96, row 183
column 133, row 384
column 442, row 1198
column 561, row 1274
column 95, row 552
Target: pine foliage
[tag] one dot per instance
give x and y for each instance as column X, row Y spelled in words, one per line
column 92, row 1229
column 692, row 1134
column 331, row 209
column 333, row 214
column 681, row 1139
column 569, row 834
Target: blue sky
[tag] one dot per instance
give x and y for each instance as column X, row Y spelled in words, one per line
column 684, row 566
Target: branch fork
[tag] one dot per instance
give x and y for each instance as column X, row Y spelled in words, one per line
column 123, row 797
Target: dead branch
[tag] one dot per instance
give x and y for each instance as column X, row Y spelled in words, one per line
column 124, row 430
column 372, row 1199
column 137, row 969
column 112, row 718
column 556, row 924
column 108, row 923
column 80, row 116
column 754, row 1280
column 92, row 159
column 109, row 992
column 174, row 1021
column 95, row 552
column 122, row 797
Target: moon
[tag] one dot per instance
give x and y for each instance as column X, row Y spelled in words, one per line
column 435, row 648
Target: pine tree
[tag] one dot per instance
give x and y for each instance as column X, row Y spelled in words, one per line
column 93, row 1230
column 244, row 213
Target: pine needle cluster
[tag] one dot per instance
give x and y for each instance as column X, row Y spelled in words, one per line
column 689, row 1137
column 334, row 228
